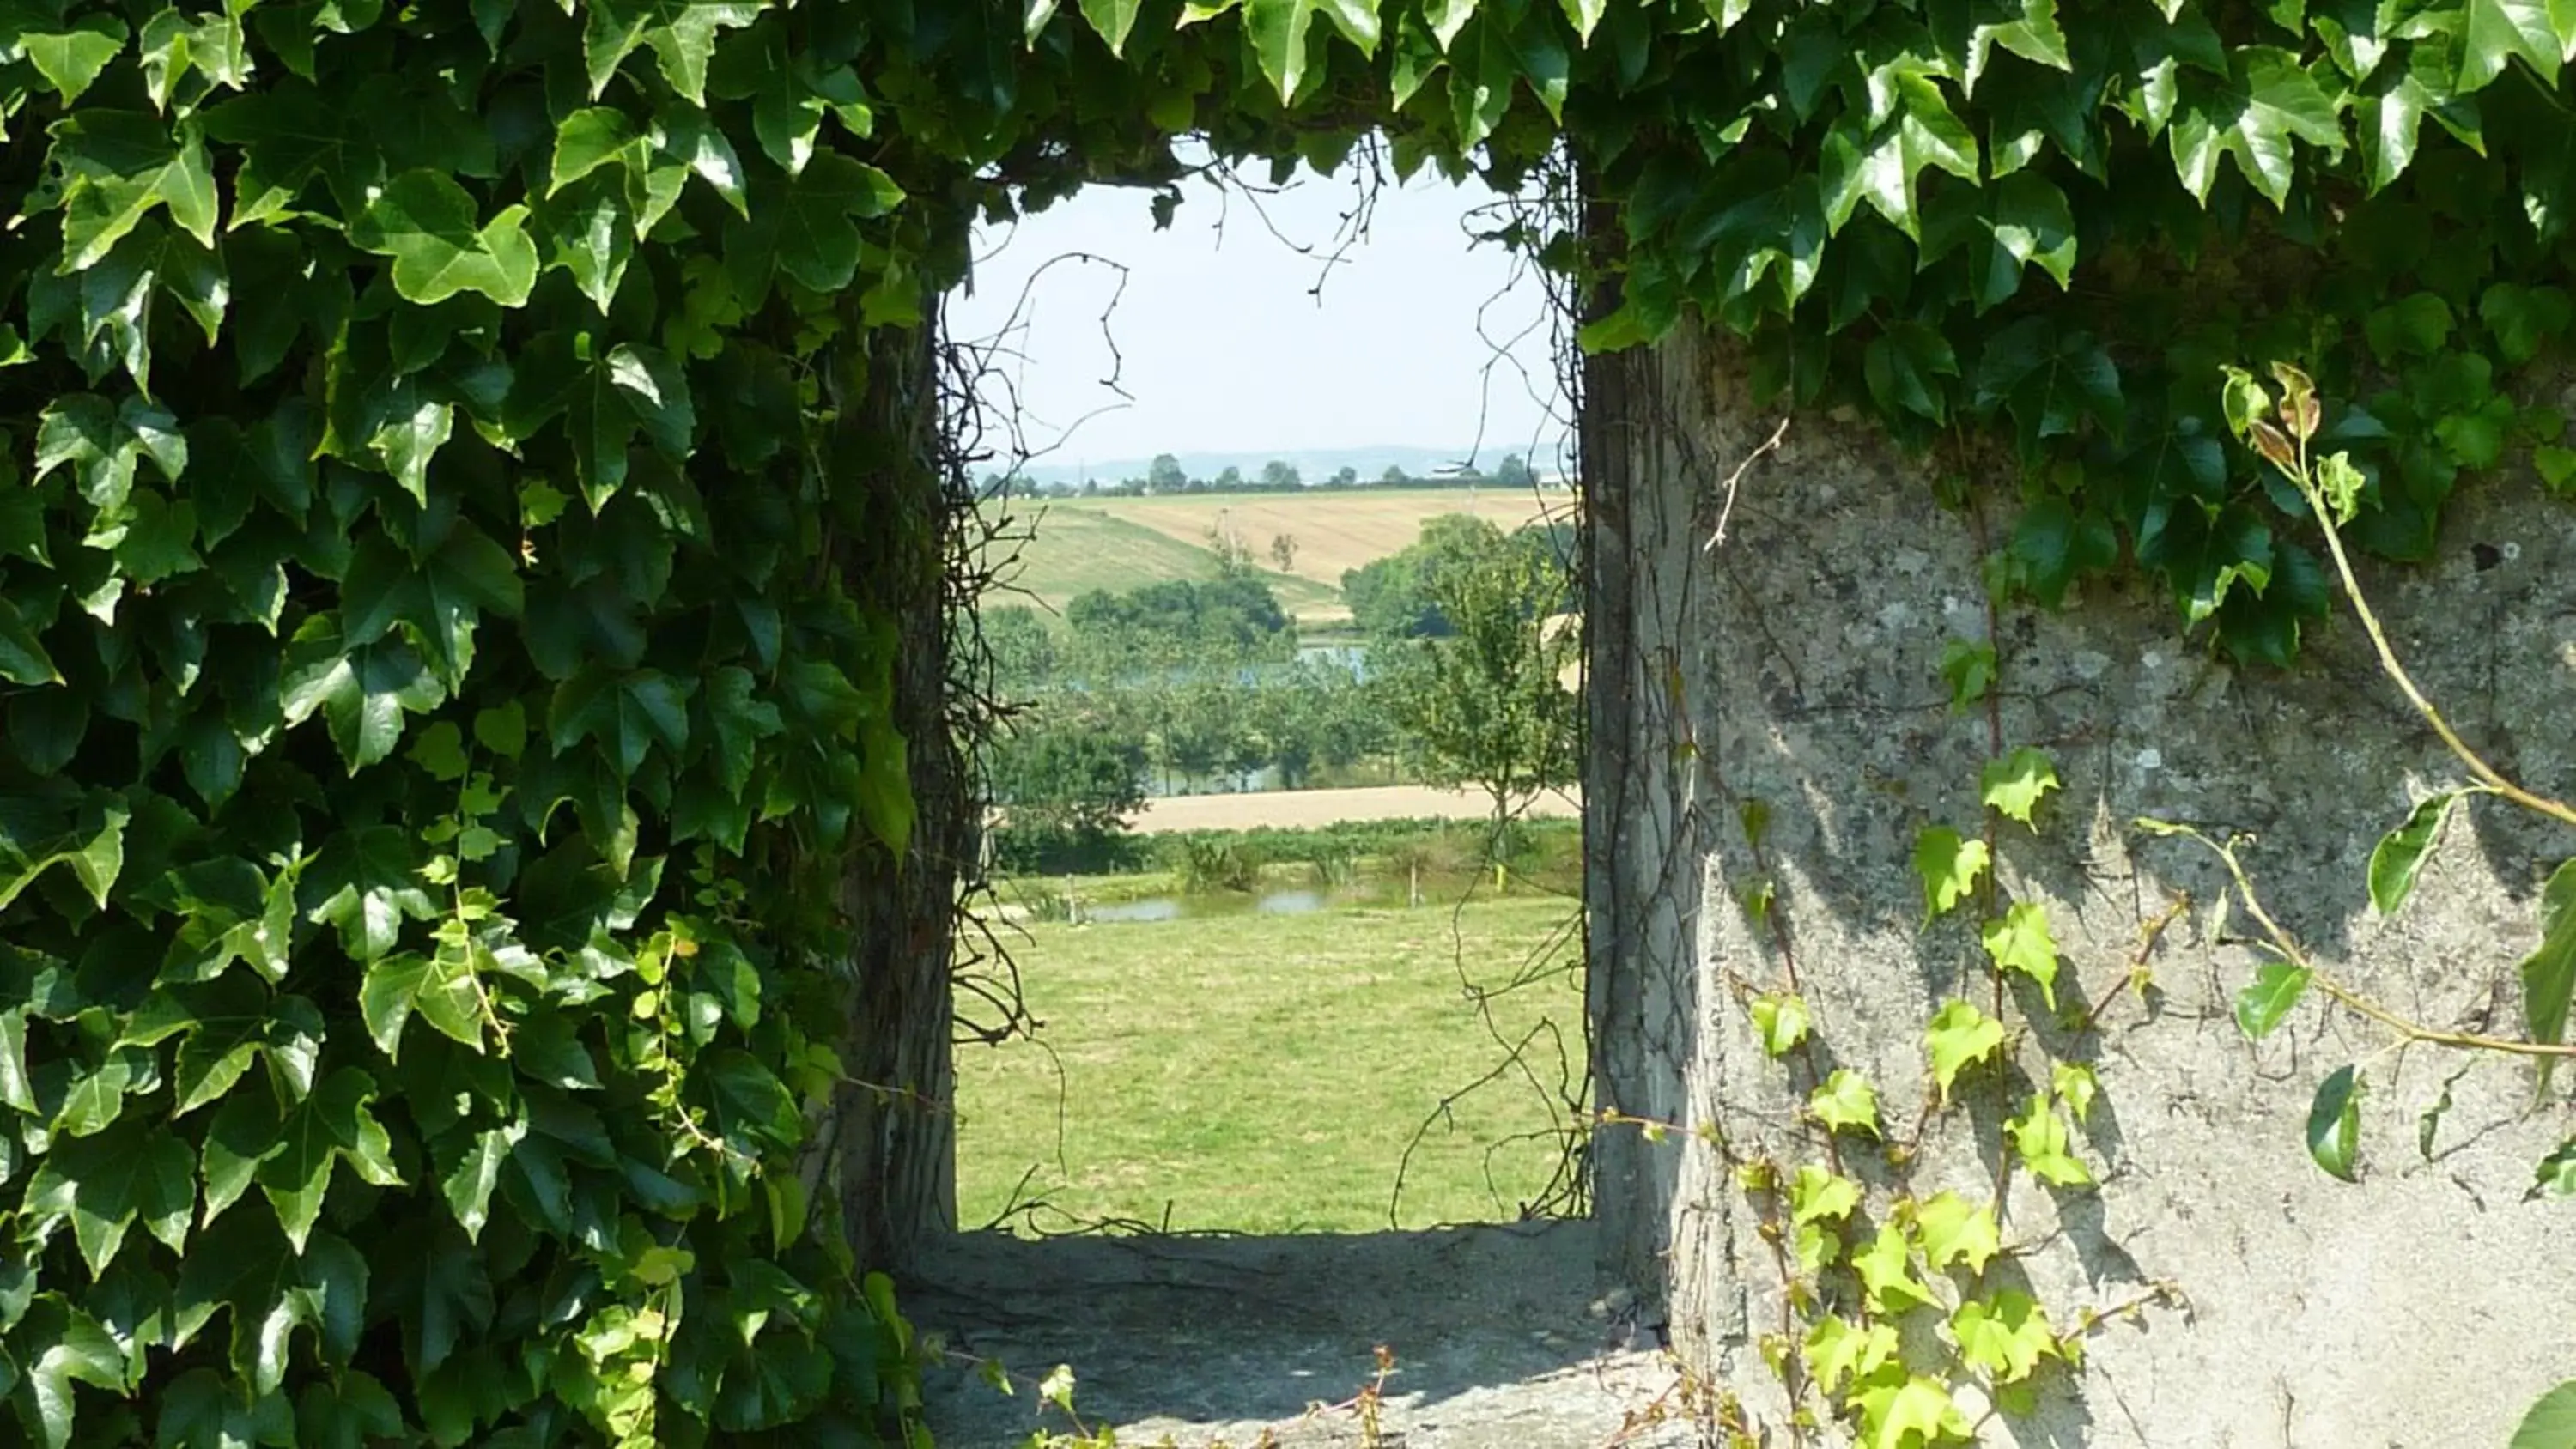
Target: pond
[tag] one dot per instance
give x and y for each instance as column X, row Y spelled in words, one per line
column 1268, row 903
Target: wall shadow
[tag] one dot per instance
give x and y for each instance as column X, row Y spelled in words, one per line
column 1498, row 1332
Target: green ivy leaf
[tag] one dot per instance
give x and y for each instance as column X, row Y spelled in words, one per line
column 371, row 884
column 1915, row 1412
column 1960, row 1035
column 244, row 1266
column 2524, row 319
column 2494, row 33
column 626, row 714
column 2400, row 855
column 1968, row 667
column 1949, row 866
column 70, row 60
column 2417, row 325
column 121, row 166
column 201, row 1411
column 1845, row 1102
column 1886, row 1269
column 107, row 1182
column 2256, row 115
column 2549, row 973
column 103, row 442
column 1953, row 1230
column 468, row 1185
column 2006, row 1335
column 1277, row 31
column 362, row 693
column 2075, row 1084
column 1819, row 1195
column 425, row 222
column 2021, row 941
column 2015, row 784
column 2039, row 1135
column 331, row 1126
column 74, row 1350
column 2334, row 1123
column 1781, row 1022
column 2269, row 999
column 1837, row 1351
column 680, row 33
column 2551, row 1424
column 444, row 987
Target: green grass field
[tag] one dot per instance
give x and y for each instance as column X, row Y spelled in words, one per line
column 1119, row 543
column 1264, row 1073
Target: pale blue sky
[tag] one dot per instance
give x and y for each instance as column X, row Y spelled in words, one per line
column 1223, row 344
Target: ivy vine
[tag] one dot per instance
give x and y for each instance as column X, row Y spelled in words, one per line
column 440, row 502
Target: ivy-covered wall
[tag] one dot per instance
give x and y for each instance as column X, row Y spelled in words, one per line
column 1939, row 1072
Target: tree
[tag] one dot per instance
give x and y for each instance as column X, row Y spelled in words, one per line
column 1228, row 481
column 1280, row 477
column 1488, row 705
column 1394, row 477
column 1065, row 789
column 1515, row 472
column 1024, row 650
column 1283, row 551
column 1346, row 477
column 1165, row 475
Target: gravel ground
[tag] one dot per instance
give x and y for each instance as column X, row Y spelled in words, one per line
column 1499, row 1340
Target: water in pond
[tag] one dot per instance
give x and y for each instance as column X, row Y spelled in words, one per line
column 1269, row 903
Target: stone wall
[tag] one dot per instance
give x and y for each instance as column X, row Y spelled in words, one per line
column 1797, row 663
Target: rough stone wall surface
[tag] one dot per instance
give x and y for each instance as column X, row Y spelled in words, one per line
column 2421, row 1309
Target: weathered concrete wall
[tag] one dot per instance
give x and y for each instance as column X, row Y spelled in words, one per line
column 1797, row 663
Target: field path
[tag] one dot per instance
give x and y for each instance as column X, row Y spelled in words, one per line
column 1303, row 809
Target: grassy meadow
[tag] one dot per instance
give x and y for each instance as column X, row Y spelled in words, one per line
column 1119, row 543
column 1264, row 1072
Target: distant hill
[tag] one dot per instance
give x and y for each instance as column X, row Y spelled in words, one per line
column 1077, row 544
column 1313, row 464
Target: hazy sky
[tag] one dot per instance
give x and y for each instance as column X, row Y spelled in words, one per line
column 1223, row 343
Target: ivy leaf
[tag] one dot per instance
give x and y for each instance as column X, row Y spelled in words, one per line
column 362, row 693
column 331, row 1126
column 2029, row 225
column 468, row 1185
column 425, row 222
column 2334, row 1123
column 75, row 1350
column 2006, row 1335
column 23, row 659
column 1845, row 1102
column 102, row 444
column 107, row 1182
column 2021, row 941
column 2390, row 115
column 2075, row 1084
column 810, row 221
column 1886, row 1269
column 2524, row 319
column 1836, row 1350
column 681, row 34
column 1917, row 1411
column 355, row 1412
column 1819, row 1195
column 2400, row 854
column 626, row 714
column 2549, row 974
column 1968, row 667
column 1277, row 31
column 442, row 986
column 2551, row 1424
column 70, row 60
column 1959, row 1036
column 2053, row 546
column 2039, row 1135
column 1781, row 1022
column 2556, row 1175
column 244, row 1266
column 2256, row 114
column 2269, row 998
column 121, row 166
column 371, row 884
column 1113, row 19
column 1878, row 163
column 1901, row 364
column 2493, row 33
column 1953, row 1230
column 1949, row 866
column 2015, row 784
